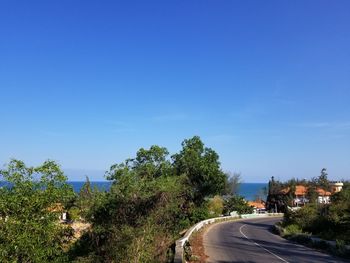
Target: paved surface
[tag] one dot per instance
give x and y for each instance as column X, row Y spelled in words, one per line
column 251, row 240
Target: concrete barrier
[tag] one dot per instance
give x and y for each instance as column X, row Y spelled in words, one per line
column 179, row 256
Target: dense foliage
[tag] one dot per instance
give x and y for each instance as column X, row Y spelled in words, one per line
column 276, row 200
column 237, row 203
column 153, row 198
column 329, row 221
column 29, row 211
column 201, row 167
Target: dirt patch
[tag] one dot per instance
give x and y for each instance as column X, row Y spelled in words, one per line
column 196, row 241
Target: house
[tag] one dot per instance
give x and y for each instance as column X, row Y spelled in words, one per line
column 336, row 186
column 301, row 192
column 258, row 206
column 324, row 197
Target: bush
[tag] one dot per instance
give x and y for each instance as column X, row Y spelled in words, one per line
column 74, row 213
column 237, row 203
column 216, row 206
column 292, row 229
column 200, row 213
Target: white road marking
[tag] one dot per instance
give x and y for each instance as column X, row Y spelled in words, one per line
column 240, row 230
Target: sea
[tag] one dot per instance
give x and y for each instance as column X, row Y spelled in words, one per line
column 250, row 191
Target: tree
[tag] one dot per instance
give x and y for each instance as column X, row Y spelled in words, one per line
column 322, row 180
column 29, row 213
column 215, row 206
column 201, row 166
column 150, row 163
column 141, row 216
column 276, row 200
column 237, row 203
column 232, row 183
column 86, row 198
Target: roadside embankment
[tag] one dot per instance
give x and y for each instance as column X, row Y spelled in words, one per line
column 334, row 247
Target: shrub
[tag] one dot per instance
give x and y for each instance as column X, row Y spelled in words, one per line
column 216, row 206
column 292, row 229
column 237, row 203
column 74, row 213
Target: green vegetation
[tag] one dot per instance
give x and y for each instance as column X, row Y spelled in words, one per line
column 329, row 221
column 326, row 221
column 153, row 197
column 216, row 206
column 29, row 213
column 237, row 203
column 277, row 201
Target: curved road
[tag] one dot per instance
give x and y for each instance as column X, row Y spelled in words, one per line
column 250, row 240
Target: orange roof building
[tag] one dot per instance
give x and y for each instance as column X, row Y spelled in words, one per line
column 301, row 193
column 256, row 204
column 301, row 190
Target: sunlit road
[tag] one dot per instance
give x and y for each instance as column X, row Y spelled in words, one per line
column 251, row 240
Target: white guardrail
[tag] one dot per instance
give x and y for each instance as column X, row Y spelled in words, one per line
column 179, row 256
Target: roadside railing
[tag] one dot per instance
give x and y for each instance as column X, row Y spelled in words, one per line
column 180, row 243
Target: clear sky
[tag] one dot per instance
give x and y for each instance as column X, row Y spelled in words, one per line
column 264, row 83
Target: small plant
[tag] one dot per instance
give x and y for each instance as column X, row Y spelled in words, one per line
column 187, row 250
column 292, row 229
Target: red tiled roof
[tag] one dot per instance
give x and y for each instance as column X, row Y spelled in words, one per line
column 322, row 192
column 302, row 190
column 256, row 204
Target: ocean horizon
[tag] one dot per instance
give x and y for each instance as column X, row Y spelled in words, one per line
column 248, row 190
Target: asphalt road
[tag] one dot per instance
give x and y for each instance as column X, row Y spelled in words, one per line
column 251, row 240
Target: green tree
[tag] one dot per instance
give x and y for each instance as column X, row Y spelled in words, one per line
column 86, row 198
column 322, row 180
column 151, row 200
column 201, row 166
column 237, row 203
column 277, row 200
column 141, row 216
column 29, row 213
column 215, row 206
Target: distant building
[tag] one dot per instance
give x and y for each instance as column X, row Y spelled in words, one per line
column 336, row 186
column 301, row 195
column 258, row 206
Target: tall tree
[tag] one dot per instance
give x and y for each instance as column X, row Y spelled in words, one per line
column 276, row 199
column 233, row 183
column 201, row 166
column 322, row 180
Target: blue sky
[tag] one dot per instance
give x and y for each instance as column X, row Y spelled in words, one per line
column 264, row 83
